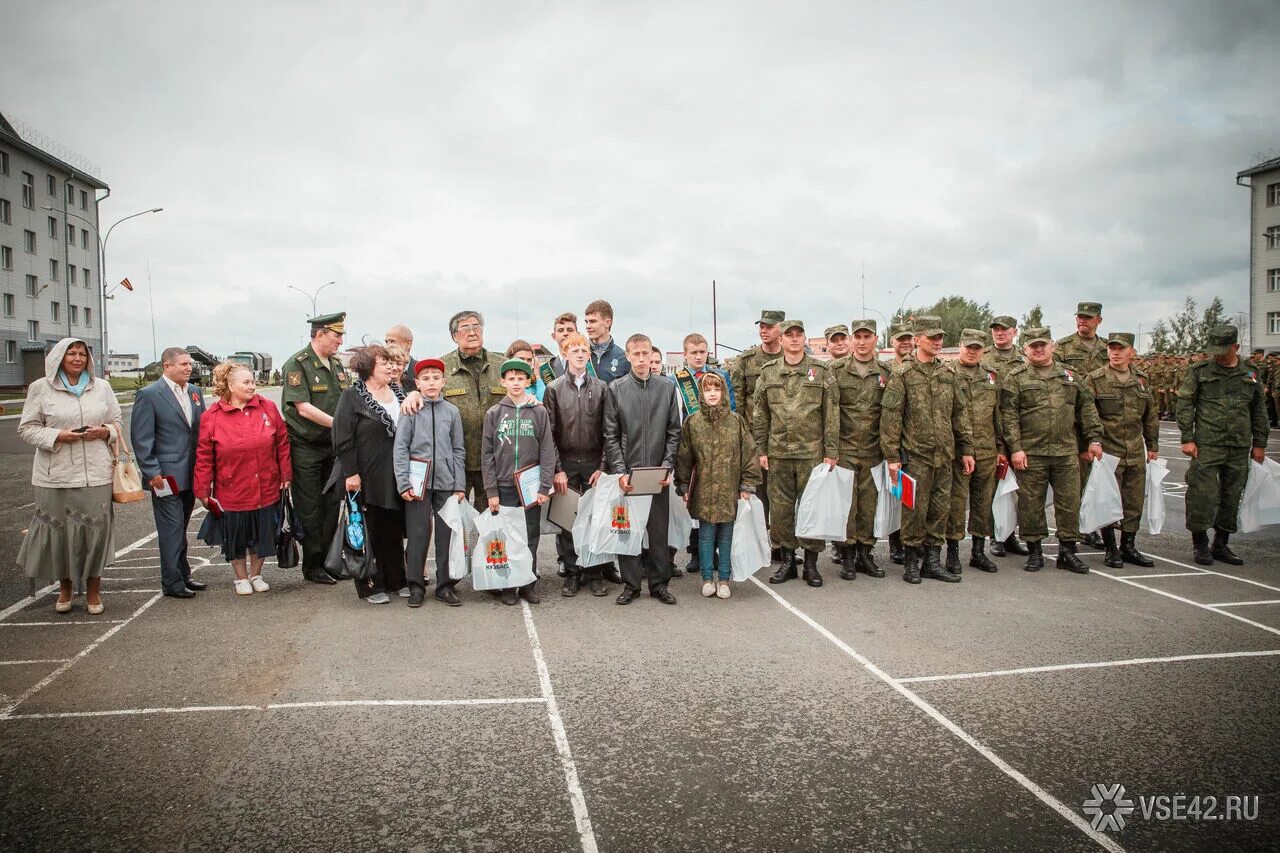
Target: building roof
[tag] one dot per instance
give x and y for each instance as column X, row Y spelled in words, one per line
column 1268, row 166
column 10, row 136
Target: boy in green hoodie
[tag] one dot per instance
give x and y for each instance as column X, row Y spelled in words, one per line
column 517, row 433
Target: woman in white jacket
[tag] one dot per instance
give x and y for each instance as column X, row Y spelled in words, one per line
column 72, row 418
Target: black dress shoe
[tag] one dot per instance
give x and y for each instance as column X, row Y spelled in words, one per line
column 448, row 596
column 627, row 595
column 529, row 592
column 1013, row 546
column 510, row 597
column 416, row 595
column 1094, row 540
column 194, row 585
column 597, row 587
column 320, row 578
column 182, row 593
column 571, row 584
column 1222, row 551
column 663, row 594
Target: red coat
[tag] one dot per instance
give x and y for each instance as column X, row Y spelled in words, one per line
column 243, row 455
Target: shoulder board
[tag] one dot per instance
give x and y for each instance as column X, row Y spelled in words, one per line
column 1021, row 368
column 301, row 357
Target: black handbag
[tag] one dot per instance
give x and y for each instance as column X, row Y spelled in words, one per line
column 288, row 534
column 343, row 561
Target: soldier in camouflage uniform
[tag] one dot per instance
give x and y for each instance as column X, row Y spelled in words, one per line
column 1047, row 414
column 1220, row 415
column 795, row 425
column 1084, row 352
column 1002, row 357
column 1131, row 432
column 980, row 389
column 314, row 379
column 902, row 338
column 860, row 380
column 924, row 426
column 744, row 377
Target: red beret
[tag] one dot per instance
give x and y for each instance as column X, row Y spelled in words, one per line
column 428, row 362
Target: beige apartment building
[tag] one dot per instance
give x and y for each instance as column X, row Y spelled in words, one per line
column 1263, row 181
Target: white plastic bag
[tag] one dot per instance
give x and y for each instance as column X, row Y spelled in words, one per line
column 1004, row 507
column 823, row 510
column 1157, row 470
column 1260, row 504
column 1100, row 504
column 680, row 525
column 502, row 558
column 617, row 521
column 582, row 530
column 750, row 550
column 1269, row 499
column 888, row 508
column 460, row 517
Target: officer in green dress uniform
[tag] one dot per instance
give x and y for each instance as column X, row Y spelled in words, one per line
column 314, row 379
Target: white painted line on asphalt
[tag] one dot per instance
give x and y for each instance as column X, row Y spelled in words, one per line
column 62, row 622
column 1244, row 603
column 23, row 662
column 23, row 603
column 1040, row 793
column 1235, row 616
column 27, row 506
column 132, row 712
column 1212, row 572
column 577, row 798
column 123, row 591
column 1093, row 665
column 279, row 706
column 1167, row 575
column 48, row 679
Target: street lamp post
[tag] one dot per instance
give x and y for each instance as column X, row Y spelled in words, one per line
column 903, row 303
column 311, row 296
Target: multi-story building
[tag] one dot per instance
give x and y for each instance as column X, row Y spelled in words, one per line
column 122, row 361
column 49, row 257
column 1263, row 181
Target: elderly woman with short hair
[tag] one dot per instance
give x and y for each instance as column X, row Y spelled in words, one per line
column 364, row 429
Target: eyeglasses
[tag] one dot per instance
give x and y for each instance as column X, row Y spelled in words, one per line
column 470, row 328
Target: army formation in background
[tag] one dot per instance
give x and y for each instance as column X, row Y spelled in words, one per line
column 1042, row 407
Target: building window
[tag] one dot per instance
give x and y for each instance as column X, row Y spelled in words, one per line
column 8, row 305
column 1273, row 237
column 1273, row 281
column 73, row 314
column 88, row 320
column 6, row 211
column 84, row 273
column 4, row 162
column 53, row 269
column 84, row 200
column 71, row 234
column 1273, row 195
column 10, row 351
column 33, row 285
column 71, row 273
column 28, row 191
column 50, row 185
column 71, row 194
column 6, row 258
column 53, row 228
column 29, row 242
column 84, row 239
column 55, row 310
column 33, row 330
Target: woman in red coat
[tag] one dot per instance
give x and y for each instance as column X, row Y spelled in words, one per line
column 242, row 465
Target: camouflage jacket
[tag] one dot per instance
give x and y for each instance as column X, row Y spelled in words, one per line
column 795, row 411
column 744, row 377
column 1001, row 362
column 1126, row 412
column 1222, row 406
column 474, row 385
column 1047, row 415
column 718, row 454
column 1079, row 356
column 923, row 414
column 858, row 402
column 980, row 388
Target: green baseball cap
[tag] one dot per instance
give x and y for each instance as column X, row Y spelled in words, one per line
column 788, row 325
column 771, row 318
column 901, row 330
column 1089, row 309
column 1124, row 339
column 973, row 337
column 516, row 364
column 1037, row 336
column 928, row 326
column 1221, row 338
column 864, row 326
column 840, row 329
column 1005, row 321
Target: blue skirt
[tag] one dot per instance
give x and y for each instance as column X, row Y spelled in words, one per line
column 238, row 531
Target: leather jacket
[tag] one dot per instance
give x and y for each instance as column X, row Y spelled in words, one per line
column 641, row 424
column 577, row 419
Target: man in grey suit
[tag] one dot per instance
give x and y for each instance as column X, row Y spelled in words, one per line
column 164, row 428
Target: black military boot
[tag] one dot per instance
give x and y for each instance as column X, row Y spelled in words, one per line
column 896, row 553
column 1112, row 559
column 1221, row 551
column 775, row 555
column 786, row 569
column 911, row 558
column 1035, row 558
column 850, row 561
column 1093, row 540
column 1068, row 560
column 837, row 553
column 997, row 548
column 978, row 557
column 1013, row 546
column 953, row 556
column 1129, row 552
column 868, row 565
column 933, row 566
column 1200, row 547
column 811, row 576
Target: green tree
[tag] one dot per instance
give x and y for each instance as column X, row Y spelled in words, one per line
column 1033, row 319
column 1184, row 328
column 1159, row 341
column 1214, row 316
column 958, row 313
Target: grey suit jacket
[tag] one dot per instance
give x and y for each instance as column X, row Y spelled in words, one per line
column 163, row 443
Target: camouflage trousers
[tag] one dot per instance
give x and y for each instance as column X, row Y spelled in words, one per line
column 1061, row 472
column 927, row 523
column 862, row 514
column 974, row 492
column 787, row 479
column 1215, row 484
column 1132, row 479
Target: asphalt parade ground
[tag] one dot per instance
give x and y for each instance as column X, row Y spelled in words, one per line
column 865, row 715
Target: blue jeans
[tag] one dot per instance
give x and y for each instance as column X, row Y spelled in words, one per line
column 713, row 537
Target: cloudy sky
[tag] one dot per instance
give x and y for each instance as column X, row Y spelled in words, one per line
column 524, row 158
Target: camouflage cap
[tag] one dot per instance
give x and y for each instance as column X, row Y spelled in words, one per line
column 1089, row 309
column 1221, row 338
column 864, row 326
column 771, row 318
column 1124, row 339
column 901, row 330
column 973, row 337
column 1037, row 336
column 788, row 325
column 1005, row 321
column 839, row 329
column 929, row 326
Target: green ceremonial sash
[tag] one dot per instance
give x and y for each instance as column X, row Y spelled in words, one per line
column 688, row 390
column 547, row 372
column 591, row 367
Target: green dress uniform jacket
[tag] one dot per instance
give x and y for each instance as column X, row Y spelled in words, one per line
column 310, row 379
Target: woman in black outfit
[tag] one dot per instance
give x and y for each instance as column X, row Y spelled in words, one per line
column 364, row 428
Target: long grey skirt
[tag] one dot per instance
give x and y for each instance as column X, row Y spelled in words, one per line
column 71, row 534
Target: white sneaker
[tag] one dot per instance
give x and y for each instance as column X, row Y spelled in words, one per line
column 708, row 589
column 259, row 585
column 723, row 590
column 404, row 592
column 379, row 598
column 243, row 587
